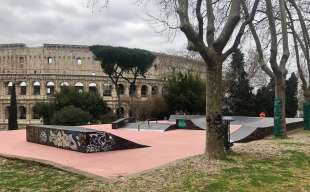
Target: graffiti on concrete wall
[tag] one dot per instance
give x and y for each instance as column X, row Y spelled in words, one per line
column 60, row 139
column 43, row 137
column 100, row 142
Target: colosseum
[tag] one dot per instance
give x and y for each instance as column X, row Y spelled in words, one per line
column 40, row 72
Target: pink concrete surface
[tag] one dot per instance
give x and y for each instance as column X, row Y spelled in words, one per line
column 234, row 128
column 165, row 147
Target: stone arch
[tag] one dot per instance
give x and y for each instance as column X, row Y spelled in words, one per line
column 144, row 91
column 50, row 88
column 107, row 89
column 36, row 88
column 154, row 90
column 79, row 87
column 9, row 87
column 35, row 113
column 23, row 88
column 92, row 87
column 121, row 89
column 63, row 85
column 22, row 112
column 7, row 112
column 132, row 90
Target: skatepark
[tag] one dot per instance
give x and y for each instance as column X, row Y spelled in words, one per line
column 152, row 143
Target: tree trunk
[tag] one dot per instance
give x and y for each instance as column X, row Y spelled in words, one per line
column 307, row 109
column 215, row 129
column 279, row 108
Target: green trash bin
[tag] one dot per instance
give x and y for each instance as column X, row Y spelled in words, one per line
column 181, row 123
column 307, row 116
column 277, row 128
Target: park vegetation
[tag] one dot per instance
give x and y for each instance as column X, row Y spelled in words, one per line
column 152, row 108
column 121, row 63
column 239, row 90
column 70, row 107
column 185, row 93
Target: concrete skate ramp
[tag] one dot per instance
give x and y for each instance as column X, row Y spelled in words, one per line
column 144, row 125
column 185, row 117
column 198, row 121
column 78, row 139
column 251, row 128
column 254, row 128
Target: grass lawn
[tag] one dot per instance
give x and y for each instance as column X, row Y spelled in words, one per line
column 260, row 166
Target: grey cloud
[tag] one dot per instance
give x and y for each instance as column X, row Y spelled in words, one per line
column 35, row 22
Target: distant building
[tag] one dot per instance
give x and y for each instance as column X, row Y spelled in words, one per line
column 40, row 72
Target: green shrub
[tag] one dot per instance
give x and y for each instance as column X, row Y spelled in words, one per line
column 45, row 110
column 71, row 115
column 186, row 93
column 107, row 118
column 88, row 102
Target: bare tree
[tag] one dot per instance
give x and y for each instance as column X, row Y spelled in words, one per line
column 301, row 37
column 278, row 69
column 215, row 35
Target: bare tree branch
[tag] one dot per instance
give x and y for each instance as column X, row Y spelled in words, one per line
column 232, row 21
column 210, row 27
column 249, row 18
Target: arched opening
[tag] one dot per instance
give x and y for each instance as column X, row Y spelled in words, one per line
column 154, row 90
column 7, row 112
column 132, row 90
column 92, row 88
column 23, row 88
column 144, row 90
column 121, row 89
column 36, row 88
column 79, row 87
column 63, row 85
column 107, row 90
column 35, row 113
column 50, row 88
column 79, row 61
column 9, row 88
column 22, row 112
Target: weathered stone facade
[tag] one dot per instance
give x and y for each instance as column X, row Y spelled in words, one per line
column 39, row 72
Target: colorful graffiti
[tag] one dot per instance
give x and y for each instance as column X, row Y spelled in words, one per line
column 100, row 142
column 77, row 139
column 61, row 139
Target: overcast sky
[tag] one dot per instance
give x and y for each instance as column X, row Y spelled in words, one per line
column 123, row 23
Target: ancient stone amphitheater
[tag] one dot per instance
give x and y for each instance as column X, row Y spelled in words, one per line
column 40, row 72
